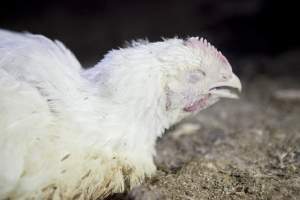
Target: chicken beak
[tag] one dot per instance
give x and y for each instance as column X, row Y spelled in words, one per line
column 235, row 82
column 229, row 89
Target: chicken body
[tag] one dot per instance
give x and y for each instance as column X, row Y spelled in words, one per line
column 68, row 133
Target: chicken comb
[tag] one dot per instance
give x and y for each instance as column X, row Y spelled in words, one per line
column 203, row 44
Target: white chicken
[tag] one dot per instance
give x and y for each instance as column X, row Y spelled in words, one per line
column 71, row 133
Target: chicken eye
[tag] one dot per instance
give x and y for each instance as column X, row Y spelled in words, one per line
column 195, row 76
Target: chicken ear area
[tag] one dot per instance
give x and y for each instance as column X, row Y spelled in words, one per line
column 180, row 100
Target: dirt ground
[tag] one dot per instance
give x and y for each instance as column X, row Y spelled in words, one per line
column 237, row 149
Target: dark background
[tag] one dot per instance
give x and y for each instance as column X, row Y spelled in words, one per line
column 258, row 36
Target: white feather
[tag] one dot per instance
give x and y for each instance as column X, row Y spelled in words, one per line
column 66, row 132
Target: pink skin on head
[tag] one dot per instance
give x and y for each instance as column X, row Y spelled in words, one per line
column 197, row 105
column 209, row 50
column 192, row 107
column 203, row 44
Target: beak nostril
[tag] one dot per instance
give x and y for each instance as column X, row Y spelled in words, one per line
column 224, row 77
